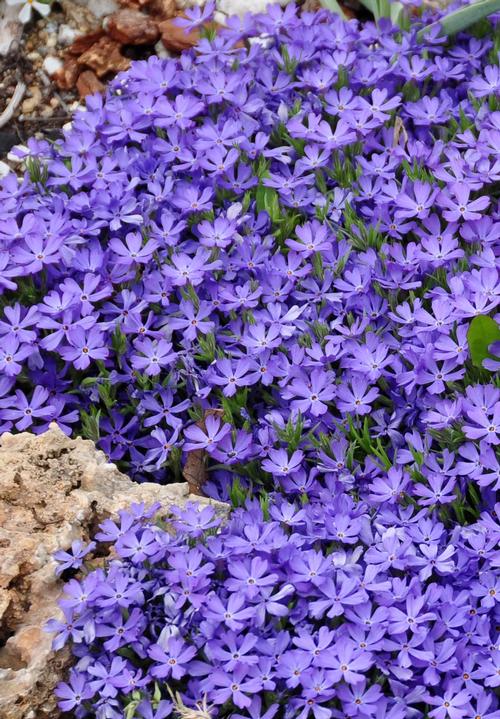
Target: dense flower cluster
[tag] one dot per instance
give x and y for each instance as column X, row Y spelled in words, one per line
column 297, row 235
column 319, row 609
column 272, row 251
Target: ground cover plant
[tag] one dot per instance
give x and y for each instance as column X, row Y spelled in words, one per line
column 284, row 254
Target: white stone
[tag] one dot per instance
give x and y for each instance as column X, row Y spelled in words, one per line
column 66, row 35
column 52, row 64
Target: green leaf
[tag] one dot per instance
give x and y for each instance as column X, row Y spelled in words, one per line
column 264, row 505
column 398, row 14
column 106, row 394
column 119, row 341
column 237, row 494
column 207, row 348
column 267, row 200
column 482, row 332
column 462, row 18
column 334, row 7
column 291, row 433
column 382, row 9
column 90, row 424
column 386, row 8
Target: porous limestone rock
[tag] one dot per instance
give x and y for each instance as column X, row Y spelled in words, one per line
column 53, row 490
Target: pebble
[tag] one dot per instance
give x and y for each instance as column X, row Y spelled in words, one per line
column 31, row 103
column 51, row 41
column 52, row 64
column 34, row 56
column 66, row 35
column 161, row 50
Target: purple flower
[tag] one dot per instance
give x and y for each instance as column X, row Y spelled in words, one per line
column 486, row 426
column 408, row 620
column 121, row 631
column 84, row 346
column 73, row 695
column 314, row 392
column 458, row 205
column 171, row 659
column 193, row 321
column 208, row 438
column 418, row 203
column 154, row 355
column 250, row 578
column 107, row 677
column 233, row 614
column 69, row 627
column 356, row 397
column 73, row 559
column 133, row 250
column 279, row 463
column 345, row 661
column 23, row 411
column 235, row 687
column 453, row 703
column 231, row 375
column 162, row 710
column 12, row 354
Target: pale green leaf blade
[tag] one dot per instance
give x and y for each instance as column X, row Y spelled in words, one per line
column 397, row 13
column 462, row 18
column 334, row 7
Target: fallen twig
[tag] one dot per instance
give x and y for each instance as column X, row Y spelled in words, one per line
column 13, row 103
